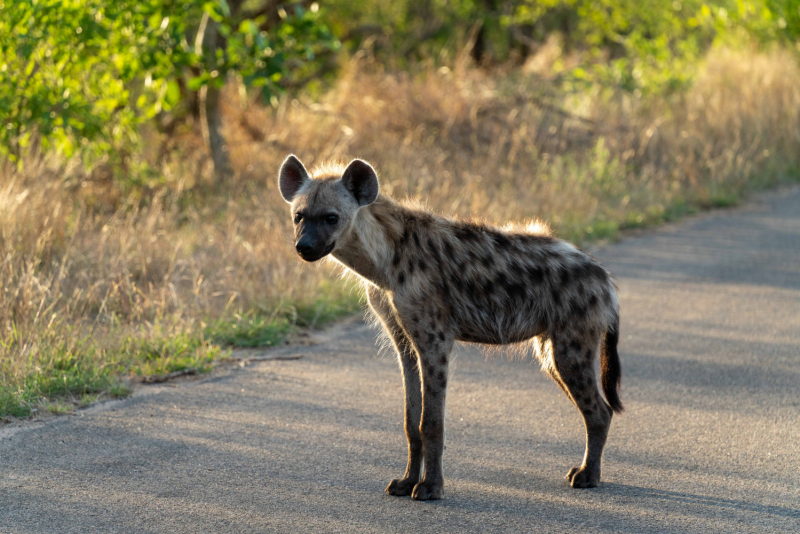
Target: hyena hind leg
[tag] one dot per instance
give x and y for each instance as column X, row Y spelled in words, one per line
column 573, row 362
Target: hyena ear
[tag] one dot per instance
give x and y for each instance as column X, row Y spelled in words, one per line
column 291, row 177
column 360, row 179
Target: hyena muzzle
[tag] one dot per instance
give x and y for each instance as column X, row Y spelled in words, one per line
column 432, row 280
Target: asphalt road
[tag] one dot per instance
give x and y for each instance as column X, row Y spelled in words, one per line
column 710, row 441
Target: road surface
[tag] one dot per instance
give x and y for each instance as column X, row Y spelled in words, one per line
column 710, row 441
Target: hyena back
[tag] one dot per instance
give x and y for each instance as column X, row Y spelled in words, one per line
column 432, row 280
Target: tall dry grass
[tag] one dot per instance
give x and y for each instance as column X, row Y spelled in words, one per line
column 81, row 266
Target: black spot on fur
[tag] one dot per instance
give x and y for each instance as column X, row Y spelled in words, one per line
column 535, row 274
column 443, row 361
column 556, row 296
column 574, row 346
column 416, row 239
column 415, row 318
column 512, row 287
column 404, row 238
column 564, row 275
column 577, row 308
column 441, row 338
column 458, row 283
column 401, row 278
column 471, row 287
column 547, row 254
column 501, row 240
column 502, row 279
column 396, row 259
column 593, row 270
column 589, row 354
column 448, row 248
column 516, row 269
column 465, row 233
column 593, row 301
column 445, row 289
column 431, row 338
column 421, row 264
column 487, row 286
column 487, row 261
column 433, row 249
column 410, row 267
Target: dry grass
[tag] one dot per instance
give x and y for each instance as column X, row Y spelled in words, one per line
column 95, row 283
column 93, row 294
column 472, row 143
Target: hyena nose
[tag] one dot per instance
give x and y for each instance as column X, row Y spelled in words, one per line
column 303, row 247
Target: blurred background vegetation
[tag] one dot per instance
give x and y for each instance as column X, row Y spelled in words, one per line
column 140, row 229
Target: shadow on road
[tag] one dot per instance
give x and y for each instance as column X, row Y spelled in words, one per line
column 655, row 496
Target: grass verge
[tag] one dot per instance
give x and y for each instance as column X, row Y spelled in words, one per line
column 65, row 376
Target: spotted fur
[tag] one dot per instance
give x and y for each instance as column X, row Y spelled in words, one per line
column 433, row 280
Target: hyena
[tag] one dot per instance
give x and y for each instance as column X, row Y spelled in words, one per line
column 432, row 280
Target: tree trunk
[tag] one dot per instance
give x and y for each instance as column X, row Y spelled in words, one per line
column 210, row 112
column 479, row 45
column 210, row 107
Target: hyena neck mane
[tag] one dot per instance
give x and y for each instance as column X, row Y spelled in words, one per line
column 375, row 239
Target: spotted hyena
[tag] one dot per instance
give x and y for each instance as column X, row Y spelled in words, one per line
column 432, row 280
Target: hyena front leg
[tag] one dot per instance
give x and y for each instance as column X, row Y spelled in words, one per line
column 433, row 343
column 434, row 348
column 409, row 365
column 573, row 359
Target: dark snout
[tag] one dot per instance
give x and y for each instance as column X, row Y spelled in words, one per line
column 312, row 249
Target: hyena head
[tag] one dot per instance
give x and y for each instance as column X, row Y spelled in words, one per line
column 324, row 209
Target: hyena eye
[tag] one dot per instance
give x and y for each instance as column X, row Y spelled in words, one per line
column 332, row 219
column 298, row 217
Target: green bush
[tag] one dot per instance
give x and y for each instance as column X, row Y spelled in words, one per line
column 81, row 74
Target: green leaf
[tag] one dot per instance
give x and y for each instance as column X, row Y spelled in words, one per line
column 197, row 82
column 173, row 93
column 226, row 9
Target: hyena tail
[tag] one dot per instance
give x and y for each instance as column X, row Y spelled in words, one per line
column 610, row 369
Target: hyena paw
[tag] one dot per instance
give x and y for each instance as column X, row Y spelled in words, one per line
column 583, row 477
column 401, row 487
column 428, row 491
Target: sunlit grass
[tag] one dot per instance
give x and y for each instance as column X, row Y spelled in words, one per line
column 256, row 329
